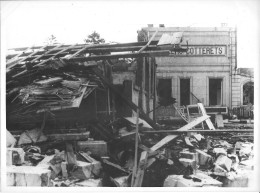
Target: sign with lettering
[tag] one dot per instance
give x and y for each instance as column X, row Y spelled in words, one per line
column 203, row 51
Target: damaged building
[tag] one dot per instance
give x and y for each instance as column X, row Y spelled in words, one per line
column 206, row 73
column 86, row 115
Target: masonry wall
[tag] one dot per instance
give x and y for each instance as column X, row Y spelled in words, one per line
column 211, row 55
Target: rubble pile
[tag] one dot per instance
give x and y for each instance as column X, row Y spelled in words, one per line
column 193, row 160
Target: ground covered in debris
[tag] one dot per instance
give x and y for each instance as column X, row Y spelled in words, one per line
column 89, row 159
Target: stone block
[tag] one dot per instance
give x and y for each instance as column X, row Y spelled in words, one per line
column 203, row 157
column 14, row 156
column 87, row 170
column 224, row 162
column 27, row 176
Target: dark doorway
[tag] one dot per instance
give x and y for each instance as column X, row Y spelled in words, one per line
column 248, row 93
column 185, row 91
column 215, row 91
column 164, row 88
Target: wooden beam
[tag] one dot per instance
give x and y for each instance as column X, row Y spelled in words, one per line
column 141, row 169
column 201, row 131
column 148, row 43
column 116, row 56
column 168, row 138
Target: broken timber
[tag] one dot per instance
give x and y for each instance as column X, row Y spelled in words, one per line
column 169, row 138
column 129, row 103
column 202, row 131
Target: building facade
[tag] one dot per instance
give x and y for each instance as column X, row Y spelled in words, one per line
column 207, row 73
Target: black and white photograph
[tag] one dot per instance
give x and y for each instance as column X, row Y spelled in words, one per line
column 134, row 95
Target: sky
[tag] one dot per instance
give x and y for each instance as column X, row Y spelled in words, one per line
column 28, row 23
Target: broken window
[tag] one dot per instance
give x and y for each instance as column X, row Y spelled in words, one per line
column 164, row 88
column 215, row 91
column 185, row 91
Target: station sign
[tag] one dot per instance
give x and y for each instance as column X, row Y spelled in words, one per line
column 203, row 51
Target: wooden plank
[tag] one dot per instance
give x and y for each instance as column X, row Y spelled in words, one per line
column 15, row 58
column 201, row 131
column 208, row 121
column 116, row 56
column 141, row 169
column 115, row 166
column 168, row 138
column 63, row 50
column 11, row 64
column 148, row 43
column 46, row 53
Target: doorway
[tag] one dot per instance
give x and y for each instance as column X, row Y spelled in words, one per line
column 184, row 91
column 215, row 91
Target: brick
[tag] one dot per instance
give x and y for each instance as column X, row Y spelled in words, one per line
column 224, row 162
column 27, row 176
column 203, row 157
column 14, row 156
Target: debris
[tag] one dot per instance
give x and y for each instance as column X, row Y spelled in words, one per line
column 188, row 162
column 27, row 176
column 203, row 157
column 14, row 156
column 122, row 181
column 10, row 140
column 31, row 136
column 90, row 183
column 98, row 148
column 224, row 162
column 198, row 180
column 69, row 136
column 219, row 151
column 85, row 170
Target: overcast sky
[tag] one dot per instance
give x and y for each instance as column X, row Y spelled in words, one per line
column 30, row 23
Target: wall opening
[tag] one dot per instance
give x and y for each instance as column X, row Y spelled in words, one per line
column 164, row 88
column 215, row 91
column 184, row 91
column 248, row 93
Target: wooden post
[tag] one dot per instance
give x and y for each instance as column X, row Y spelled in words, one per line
column 136, row 146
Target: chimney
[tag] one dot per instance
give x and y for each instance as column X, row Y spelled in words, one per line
column 161, row 25
column 150, row 25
